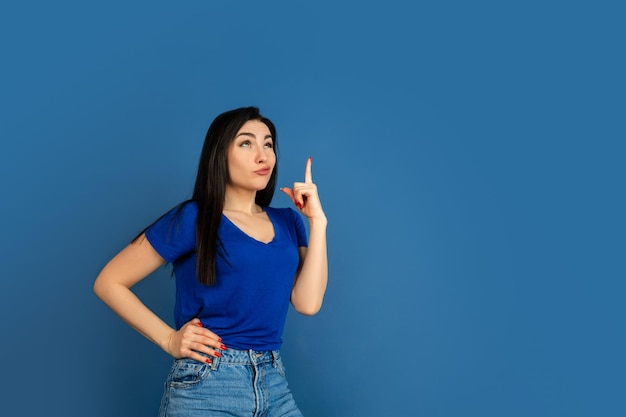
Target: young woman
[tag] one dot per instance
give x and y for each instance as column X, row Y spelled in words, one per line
column 238, row 263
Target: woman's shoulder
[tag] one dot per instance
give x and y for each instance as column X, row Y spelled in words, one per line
column 285, row 215
column 282, row 212
column 184, row 213
column 174, row 234
column 188, row 208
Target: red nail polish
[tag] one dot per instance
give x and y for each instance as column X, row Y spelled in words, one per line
column 217, row 354
column 209, row 361
column 311, row 158
column 199, row 325
column 223, row 347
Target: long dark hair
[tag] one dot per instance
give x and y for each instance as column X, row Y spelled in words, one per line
column 210, row 187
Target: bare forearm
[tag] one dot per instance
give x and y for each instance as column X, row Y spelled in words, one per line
column 130, row 308
column 308, row 292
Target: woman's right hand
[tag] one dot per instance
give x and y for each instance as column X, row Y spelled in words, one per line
column 191, row 340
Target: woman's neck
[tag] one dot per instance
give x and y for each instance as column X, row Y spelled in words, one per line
column 240, row 200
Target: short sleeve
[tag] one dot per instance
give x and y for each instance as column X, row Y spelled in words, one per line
column 300, row 230
column 174, row 234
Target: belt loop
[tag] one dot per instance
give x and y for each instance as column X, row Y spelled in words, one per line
column 275, row 358
column 215, row 363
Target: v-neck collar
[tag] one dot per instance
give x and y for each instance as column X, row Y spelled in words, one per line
column 269, row 216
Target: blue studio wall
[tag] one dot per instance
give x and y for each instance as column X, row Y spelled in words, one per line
column 470, row 157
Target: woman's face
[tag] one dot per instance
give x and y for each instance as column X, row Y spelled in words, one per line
column 251, row 158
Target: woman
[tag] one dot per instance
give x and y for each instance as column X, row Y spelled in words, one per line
column 237, row 263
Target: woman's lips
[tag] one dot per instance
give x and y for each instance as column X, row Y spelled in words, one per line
column 263, row 171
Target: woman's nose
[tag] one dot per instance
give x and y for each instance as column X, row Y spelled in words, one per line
column 261, row 156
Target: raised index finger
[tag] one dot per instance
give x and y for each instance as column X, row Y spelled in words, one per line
column 308, row 178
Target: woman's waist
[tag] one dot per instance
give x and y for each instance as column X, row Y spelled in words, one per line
column 247, row 356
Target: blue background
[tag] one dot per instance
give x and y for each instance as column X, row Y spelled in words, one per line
column 470, row 158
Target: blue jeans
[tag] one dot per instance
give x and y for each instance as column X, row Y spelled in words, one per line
column 240, row 383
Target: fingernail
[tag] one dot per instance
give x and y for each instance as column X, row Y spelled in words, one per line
column 223, row 347
column 209, row 361
column 311, row 158
column 217, row 354
column 199, row 324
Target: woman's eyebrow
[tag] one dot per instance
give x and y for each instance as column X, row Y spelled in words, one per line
column 252, row 135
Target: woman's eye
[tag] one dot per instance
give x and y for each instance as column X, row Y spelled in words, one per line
column 269, row 145
column 245, row 144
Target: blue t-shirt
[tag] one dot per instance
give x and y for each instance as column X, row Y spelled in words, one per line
column 248, row 304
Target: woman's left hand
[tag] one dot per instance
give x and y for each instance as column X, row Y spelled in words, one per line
column 304, row 195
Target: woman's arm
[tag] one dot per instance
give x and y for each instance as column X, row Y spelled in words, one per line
column 309, row 287
column 310, row 284
column 131, row 265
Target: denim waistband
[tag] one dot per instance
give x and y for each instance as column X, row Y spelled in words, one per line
column 245, row 357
